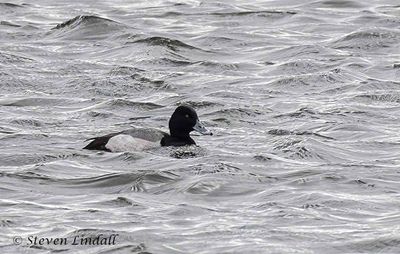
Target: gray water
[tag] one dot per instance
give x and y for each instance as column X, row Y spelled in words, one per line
column 303, row 98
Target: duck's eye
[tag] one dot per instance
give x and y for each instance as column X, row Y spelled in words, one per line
column 187, row 116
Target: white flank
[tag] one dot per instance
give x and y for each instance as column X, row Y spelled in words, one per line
column 127, row 143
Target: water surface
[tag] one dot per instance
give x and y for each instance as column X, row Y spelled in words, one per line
column 303, row 99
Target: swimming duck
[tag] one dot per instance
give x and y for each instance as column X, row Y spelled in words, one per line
column 183, row 121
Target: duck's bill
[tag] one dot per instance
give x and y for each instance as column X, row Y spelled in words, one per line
column 199, row 127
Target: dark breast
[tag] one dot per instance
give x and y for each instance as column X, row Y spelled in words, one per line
column 167, row 140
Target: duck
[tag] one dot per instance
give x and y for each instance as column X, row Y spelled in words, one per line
column 183, row 121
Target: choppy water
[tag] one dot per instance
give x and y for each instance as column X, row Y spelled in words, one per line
column 303, row 98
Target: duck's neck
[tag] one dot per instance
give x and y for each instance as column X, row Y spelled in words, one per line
column 180, row 135
column 183, row 137
column 177, row 140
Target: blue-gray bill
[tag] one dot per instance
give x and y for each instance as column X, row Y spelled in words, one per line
column 199, row 127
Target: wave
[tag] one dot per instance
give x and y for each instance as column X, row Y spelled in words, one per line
column 83, row 20
column 295, row 67
column 337, row 4
column 368, row 39
column 165, row 42
column 7, row 23
column 314, row 81
column 312, row 150
column 298, row 113
column 33, row 101
column 217, row 66
column 235, row 113
column 134, row 104
column 369, row 85
column 18, row 159
column 120, row 202
column 173, row 45
column 28, row 122
column 122, row 103
column 169, row 62
column 376, row 19
column 87, row 27
column 200, row 104
column 282, row 132
column 10, row 5
column 262, row 13
column 393, row 97
column 299, row 52
column 106, row 183
column 8, row 58
column 124, row 71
